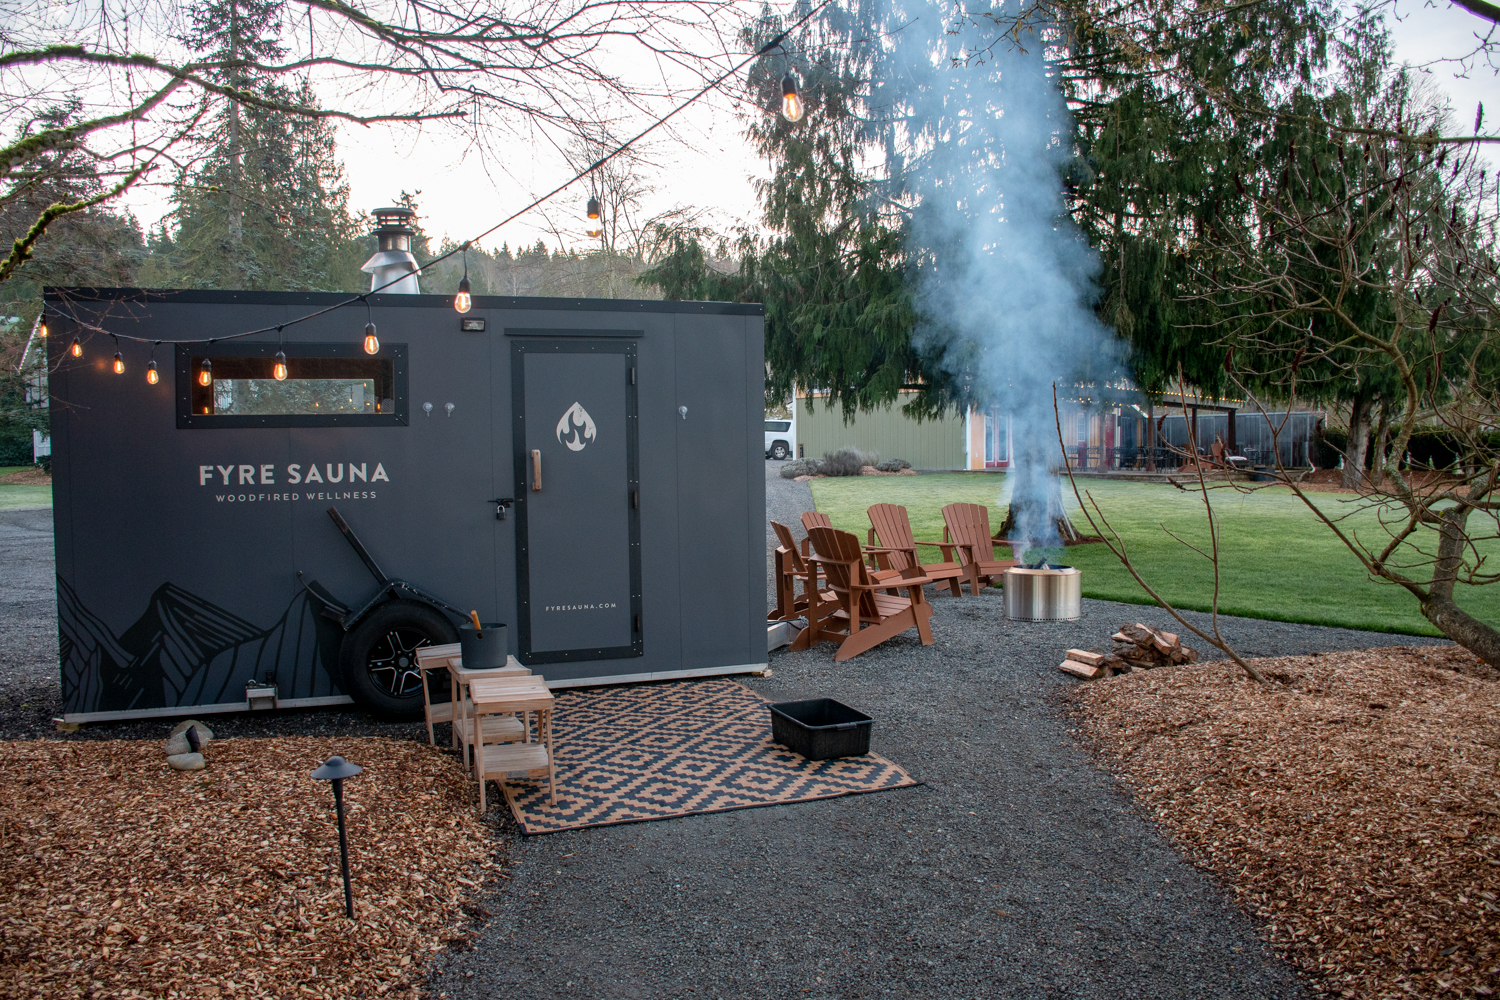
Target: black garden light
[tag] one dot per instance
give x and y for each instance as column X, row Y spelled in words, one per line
column 336, row 769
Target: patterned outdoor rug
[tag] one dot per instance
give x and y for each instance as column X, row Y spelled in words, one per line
column 655, row 751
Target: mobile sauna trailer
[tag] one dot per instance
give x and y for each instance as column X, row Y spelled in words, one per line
column 588, row 472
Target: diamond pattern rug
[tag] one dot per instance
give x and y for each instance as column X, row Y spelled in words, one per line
column 655, row 751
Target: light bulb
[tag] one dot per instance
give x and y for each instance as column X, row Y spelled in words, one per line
column 792, row 108
column 151, row 377
column 119, row 364
column 77, row 349
column 206, row 373
column 372, row 342
column 42, row 331
column 463, row 301
column 278, row 370
column 596, row 224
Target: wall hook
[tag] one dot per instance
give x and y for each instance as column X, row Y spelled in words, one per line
column 449, row 408
column 682, row 410
column 427, row 408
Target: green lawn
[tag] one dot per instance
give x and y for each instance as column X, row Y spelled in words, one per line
column 1278, row 561
column 17, row 495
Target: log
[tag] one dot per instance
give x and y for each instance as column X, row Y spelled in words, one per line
column 1087, row 656
column 1077, row 669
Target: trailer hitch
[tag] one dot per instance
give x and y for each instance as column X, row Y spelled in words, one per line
column 390, row 587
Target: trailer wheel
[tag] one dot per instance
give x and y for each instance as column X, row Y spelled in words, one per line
column 379, row 656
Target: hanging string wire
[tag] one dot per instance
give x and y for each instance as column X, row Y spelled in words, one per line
column 713, row 85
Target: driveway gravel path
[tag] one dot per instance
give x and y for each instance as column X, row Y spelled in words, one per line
column 1017, row 869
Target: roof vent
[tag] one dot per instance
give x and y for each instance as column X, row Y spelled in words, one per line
column 393, row 265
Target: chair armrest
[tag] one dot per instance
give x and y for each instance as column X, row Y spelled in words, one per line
column 880, row 548
column 940, row 545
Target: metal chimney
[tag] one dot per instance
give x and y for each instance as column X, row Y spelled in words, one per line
column 394, row 262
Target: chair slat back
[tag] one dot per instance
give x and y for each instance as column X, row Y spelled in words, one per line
column 969, row 524
column 849, row 572
column 813, row 519
column 891, row 523
column 784, row 536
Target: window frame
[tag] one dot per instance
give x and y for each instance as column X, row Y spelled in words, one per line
column 187, row 420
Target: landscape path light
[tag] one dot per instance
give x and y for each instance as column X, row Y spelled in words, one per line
column 336, row 769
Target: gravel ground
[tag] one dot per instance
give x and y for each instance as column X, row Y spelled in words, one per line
column 1017, row 870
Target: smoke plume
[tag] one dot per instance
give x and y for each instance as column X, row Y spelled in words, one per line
column 1005, row 279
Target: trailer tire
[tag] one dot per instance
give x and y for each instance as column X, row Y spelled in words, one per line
column 380, row 672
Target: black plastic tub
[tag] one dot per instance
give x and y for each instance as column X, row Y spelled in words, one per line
column 482, row 650
column 821, row 728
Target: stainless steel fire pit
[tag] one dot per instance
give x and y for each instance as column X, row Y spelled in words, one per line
column 1043, row 593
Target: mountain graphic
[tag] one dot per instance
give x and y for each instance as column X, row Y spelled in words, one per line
column 185, row 650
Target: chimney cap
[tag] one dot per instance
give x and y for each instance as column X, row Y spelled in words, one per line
column 394, row 217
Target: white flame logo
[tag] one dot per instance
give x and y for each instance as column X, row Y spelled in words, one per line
column 576, row 428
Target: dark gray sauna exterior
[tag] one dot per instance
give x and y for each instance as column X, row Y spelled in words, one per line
column 181, row 534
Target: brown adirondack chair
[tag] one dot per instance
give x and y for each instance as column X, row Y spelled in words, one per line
column 862, row 617
column 791, row 566
column 968, row 526
column 898, row 549
column 812, row 519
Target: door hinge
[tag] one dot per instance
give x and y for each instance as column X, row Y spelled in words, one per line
column 635, row 499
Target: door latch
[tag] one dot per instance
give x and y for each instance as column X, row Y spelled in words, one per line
column 500, row 505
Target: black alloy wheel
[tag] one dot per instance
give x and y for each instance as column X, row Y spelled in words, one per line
column 379, row 656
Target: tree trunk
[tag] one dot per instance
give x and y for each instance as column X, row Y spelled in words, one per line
column 1439, row 607
column 235, row 81
column 1382, row 442
column 1150, row 437
column 1359, row 440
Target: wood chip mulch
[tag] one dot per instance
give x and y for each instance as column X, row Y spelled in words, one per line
column 122, row 878
column 27, row 477
column 1353, row 805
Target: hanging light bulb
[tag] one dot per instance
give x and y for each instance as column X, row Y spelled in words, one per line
column 596, row 219
column 42, row 330
column 792, row 108
column 151, row 376
column 77, row 349
column 463, row 301
column 372, row 342
column 119, row 364
column 206, row 373
column 278, row 370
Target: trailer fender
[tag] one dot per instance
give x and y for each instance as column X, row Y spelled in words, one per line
column 378, row 656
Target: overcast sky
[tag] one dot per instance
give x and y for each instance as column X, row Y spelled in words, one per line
column 706, row 161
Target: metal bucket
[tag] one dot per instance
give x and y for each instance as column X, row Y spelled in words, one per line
column 1054, row 594
column 485, row 649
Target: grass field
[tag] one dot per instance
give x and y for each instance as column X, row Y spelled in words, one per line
column 20, row 494
column 1278, row 561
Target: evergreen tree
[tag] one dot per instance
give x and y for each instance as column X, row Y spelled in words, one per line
column 267, row 206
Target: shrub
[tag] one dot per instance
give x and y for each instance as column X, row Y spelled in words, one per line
column 845, row 462
column 799, row 467
column 893, row 465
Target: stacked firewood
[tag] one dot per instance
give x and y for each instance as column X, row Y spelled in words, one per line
column 1137, row 647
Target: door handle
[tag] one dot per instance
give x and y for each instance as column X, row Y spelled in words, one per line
column 536, row 470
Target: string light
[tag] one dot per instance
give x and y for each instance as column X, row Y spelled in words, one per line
column 463, row 301
column 119, row 364
column 278, row 370
column 42, row 330
column 151, row 376
column 596, row 224
column 372, row 342
column 792, row 108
